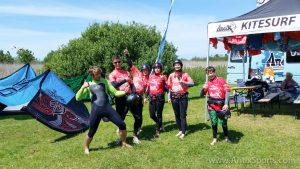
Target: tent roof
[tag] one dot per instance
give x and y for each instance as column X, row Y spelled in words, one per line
column 273, row 16
column 270, row 9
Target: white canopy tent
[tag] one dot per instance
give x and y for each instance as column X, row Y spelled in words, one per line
column 275, row 16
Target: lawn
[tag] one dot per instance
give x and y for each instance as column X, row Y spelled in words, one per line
column 258, row 142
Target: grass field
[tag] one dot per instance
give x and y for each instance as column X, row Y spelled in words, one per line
column 260, row 142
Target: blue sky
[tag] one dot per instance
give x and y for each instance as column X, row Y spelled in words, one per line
column 45, row 25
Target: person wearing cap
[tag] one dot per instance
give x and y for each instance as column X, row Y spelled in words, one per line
column 140, row 79
column 289, row 84
column 218, row 100
column 178, row 83
column 156, row 88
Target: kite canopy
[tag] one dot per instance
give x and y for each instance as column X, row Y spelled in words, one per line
column 46, row 97
column 12, row 87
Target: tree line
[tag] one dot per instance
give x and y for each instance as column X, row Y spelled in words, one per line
column 100, row 42
column 23, row 56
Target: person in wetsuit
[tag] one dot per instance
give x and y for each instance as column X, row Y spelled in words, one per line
column 178, row 83
column 99, row 90
column 218, row 100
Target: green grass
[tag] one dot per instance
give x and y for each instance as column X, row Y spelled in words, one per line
column 260, row 142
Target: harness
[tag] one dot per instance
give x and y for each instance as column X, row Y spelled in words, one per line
column 179, row 95
column 154, row 97
column 220, row 113
column 216, row 101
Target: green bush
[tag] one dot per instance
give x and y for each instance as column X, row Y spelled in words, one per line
column 6, row 57
column 99, row 43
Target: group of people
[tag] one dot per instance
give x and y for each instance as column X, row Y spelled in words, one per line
column 131, row 89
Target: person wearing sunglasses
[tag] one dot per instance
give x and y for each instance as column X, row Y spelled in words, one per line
column 121, row 80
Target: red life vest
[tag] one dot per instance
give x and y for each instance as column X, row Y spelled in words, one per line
column 118, row 75
column 139, row 80
column 216, row 88
column 155, row 84
column 174, row 83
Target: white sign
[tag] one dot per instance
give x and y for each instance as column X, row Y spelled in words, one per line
column 253, row 26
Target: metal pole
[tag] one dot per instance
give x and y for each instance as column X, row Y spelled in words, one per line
column 244, row 68
column 206, row 78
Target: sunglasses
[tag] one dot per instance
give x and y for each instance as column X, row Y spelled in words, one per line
column 117, row 62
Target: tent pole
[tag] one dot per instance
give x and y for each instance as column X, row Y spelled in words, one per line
column 244, row 74
column 250, row 64
column 206, row 79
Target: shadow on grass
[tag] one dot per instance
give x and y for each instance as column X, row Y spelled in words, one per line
column 267, row 110
column 149, row 131
column 110, row 145
column 19, row 116
column 197, row 127
column 235, row 136
column 196, row 98
column 113, row 144
column 65, row 137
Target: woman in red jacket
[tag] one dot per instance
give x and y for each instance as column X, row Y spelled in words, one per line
column 156, row 90
column 178, row 83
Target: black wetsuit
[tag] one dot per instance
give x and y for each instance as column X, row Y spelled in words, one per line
column 101, row 108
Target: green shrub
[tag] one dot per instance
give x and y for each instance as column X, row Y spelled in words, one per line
column 99, row 43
